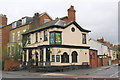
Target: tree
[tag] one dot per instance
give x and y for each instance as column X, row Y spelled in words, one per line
column 15, row 51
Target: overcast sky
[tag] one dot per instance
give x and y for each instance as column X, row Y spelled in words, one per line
column 99, row 16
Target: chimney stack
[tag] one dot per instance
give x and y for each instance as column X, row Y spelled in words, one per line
column 3, row 20
column 71, row 14
column 36, row 20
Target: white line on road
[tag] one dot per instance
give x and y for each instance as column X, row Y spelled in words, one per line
column 114, row 74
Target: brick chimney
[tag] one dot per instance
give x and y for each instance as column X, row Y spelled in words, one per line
column 36, row 20
column 3, row 20
column 71, row 14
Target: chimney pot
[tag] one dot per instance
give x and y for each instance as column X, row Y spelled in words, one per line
column 72, row 6
column 3, row 20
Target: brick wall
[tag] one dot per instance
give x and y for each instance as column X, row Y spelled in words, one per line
column 44, row 16
column 114, row 61
column 8, row 64
column 3, row 19
column 71, row 14
column 103, row 61
column 39, row 19
column 5, row 40
column 93, row 58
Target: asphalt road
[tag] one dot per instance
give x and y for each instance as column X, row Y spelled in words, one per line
column 110, row 72
column 101, row 73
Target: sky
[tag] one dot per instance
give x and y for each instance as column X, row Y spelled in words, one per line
column 99, row 16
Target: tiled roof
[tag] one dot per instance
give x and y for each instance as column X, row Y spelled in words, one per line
column 55, row 23
column 47, row 24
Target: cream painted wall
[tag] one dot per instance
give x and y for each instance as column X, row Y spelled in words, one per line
column 68, row 37
column 82, row 57
column 73, row 38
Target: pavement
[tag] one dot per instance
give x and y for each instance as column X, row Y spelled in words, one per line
column 99, row 72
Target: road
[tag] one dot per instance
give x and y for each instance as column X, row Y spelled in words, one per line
column 100, row 72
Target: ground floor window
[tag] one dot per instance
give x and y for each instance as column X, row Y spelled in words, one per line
column 74, row 57
column 53, row 58
column 57, row 58
column 65, row 58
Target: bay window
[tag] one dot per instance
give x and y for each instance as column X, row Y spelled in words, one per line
column 55, row 37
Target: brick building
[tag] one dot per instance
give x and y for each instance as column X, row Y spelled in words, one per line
column 93, row 58
column 14, row 46
column 105, row 52
column 4, row 36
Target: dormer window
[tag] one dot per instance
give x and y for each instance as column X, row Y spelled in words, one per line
column 23, row 21
column 14, row 25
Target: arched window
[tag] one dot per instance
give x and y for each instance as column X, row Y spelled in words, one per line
column 74, row 57
column 65, row 58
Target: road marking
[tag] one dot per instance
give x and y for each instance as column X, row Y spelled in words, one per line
column 54, row 74
column 75, row 76
column 114, row 74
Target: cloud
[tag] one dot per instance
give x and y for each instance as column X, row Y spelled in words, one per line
column 100, row 16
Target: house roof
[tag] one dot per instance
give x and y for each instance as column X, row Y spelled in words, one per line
column 78, row 26
column 28, row 22
column 46, row 25
column 112, row 48
column 55, row 23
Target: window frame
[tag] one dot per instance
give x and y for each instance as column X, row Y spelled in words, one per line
column 53, row 59
column 13, row 37
column 54, row 38
column 74, row 57
column 84, row 40
column 57, row 58
column 45, row 35
column 65, row 55
column 36, row 37
column 18, row 34
column 29, row 39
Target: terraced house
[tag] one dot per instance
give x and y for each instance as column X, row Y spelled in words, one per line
column 19, row 27
column 57, row 43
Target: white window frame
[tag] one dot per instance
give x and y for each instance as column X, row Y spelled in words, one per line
column 24, row 30
column 13, row 37
column 18, row 35
column 23, row 21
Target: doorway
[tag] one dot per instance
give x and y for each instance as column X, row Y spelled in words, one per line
column 47, row 56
